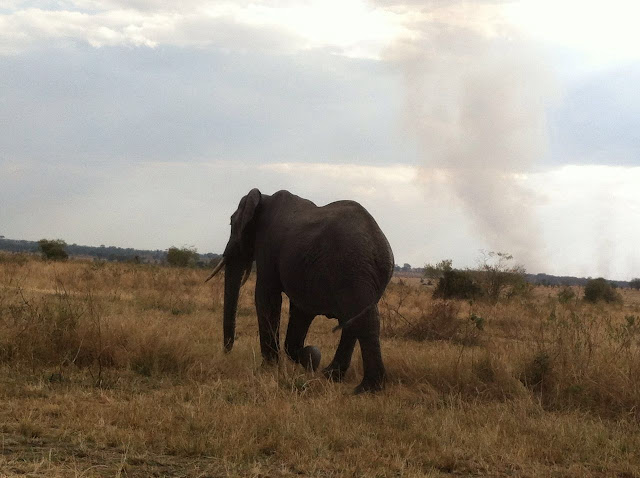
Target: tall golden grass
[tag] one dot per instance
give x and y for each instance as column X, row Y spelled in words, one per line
column 118, row 370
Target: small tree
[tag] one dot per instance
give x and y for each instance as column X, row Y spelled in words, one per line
column 599, row 289
column 499, row 276
column 183, row 257
column 53, row 250
column 635, row 283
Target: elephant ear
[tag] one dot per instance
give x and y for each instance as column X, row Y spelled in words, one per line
column 244, row 214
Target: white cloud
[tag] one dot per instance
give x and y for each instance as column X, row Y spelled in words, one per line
column 605, row 33
column 351, row 28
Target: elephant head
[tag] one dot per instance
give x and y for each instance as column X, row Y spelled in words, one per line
column 237, row 260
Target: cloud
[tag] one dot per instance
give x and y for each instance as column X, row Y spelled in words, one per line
column 33, row 27
column 599, row 34
column 83, row 104
column 353, row 28
column 598, row 121
column 590, row 218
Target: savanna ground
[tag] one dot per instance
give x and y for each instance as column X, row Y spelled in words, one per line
column 118, row 370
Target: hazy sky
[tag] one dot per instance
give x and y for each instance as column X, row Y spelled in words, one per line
column 497, row 125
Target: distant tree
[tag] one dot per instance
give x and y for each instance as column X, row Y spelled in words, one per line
column 635, row 283
column 53, row 250
column 182, row 257
column 406, row 267
column 600, row 290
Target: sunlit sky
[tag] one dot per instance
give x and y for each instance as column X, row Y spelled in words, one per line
column 461, row 126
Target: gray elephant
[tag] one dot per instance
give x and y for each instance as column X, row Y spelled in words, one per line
column 332, row 260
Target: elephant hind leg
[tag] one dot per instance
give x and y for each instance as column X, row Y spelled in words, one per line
column 342, row 359
column 368, row 333
column 299, row 323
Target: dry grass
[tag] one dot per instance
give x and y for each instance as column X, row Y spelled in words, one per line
column 118, row 370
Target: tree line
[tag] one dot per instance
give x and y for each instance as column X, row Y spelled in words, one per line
column 58, row 249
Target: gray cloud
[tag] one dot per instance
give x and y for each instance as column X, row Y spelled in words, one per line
column 598, row 121
column 84, row 104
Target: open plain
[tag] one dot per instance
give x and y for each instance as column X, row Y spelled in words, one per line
column 113, row 369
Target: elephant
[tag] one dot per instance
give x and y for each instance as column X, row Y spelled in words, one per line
column 332, row 260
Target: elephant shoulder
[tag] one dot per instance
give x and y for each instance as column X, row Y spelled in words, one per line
column 346, row 206
column 288, row 199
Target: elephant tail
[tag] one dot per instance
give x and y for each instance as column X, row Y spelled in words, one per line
column 349, row 323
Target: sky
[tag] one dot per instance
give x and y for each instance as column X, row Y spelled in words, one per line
column 461, row 126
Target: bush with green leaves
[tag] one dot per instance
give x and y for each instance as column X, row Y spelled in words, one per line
column 53, row 250
column 183, row 257
column 599, row 289
column 496, row 277
column 457, row 284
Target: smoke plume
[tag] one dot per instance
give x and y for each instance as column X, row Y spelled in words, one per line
column 475, row 101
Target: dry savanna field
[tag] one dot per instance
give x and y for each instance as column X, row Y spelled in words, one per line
column 117, row 370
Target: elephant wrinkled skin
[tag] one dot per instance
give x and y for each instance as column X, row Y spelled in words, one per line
column 332, row 260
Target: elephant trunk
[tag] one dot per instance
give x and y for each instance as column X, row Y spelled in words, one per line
column 232, row 282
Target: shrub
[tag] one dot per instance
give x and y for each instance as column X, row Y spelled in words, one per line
column 495, row 277
column 182, row 257
column 53, row 250
column 566, row 294
column 456, row 284
column 498, row 276
column 600, row 290
column 635, row 283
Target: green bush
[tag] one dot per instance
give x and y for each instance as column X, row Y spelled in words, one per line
column 456, row 284
column 599, row 289
column 495, row 278
column 182, row 257
column 53, row 250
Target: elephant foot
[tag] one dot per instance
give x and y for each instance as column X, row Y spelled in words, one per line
column 310, row 358
column 369, row 386
column 333, row 373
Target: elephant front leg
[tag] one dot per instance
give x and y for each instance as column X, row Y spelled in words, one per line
column 299, row 323
column 368, row 334
column 268, row 307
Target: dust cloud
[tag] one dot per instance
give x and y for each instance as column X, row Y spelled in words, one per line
column 475, row 100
